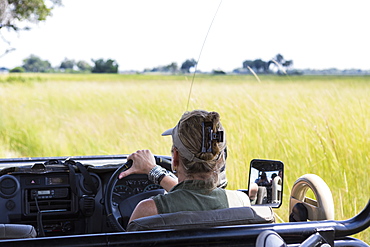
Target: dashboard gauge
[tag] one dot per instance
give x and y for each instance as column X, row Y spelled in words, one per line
column 137, row 190
column 121, row 192
column 152, row 187
column 122, row 189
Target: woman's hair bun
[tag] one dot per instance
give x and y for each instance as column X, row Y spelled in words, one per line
column 196, row 131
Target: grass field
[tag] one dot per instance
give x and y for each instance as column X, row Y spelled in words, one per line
column 318, row 124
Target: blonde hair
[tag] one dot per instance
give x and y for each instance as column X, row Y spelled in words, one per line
column 209, row 152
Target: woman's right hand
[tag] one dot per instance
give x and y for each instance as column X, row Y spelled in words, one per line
column 142, row 162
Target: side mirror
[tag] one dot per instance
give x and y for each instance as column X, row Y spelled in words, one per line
column 265, row 185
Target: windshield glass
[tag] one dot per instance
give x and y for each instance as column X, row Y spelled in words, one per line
column 290, row 80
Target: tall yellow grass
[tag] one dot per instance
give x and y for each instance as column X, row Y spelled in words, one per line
column 317, row 125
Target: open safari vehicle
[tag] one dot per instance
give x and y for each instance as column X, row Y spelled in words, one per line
column 78, row 201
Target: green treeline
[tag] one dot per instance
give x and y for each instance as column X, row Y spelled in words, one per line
column 34, row 64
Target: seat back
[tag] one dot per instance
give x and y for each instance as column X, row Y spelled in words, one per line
column 261, row 195
column 201, row 219
column 276, row 189
column 8, row 231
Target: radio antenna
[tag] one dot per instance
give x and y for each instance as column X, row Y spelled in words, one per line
column 200, row 53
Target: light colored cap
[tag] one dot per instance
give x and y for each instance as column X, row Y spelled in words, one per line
column 180, row 146
column 167, row 132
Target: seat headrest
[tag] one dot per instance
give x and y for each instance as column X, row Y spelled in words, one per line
column 201, row 219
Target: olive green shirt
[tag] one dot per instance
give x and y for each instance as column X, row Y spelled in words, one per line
column 193, row 195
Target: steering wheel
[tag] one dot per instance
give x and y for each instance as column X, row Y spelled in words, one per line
column 320, row 209
column 124, row 208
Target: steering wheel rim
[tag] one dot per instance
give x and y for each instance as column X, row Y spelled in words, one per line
column 125, row 207
column 320, row 209
column 113, row 212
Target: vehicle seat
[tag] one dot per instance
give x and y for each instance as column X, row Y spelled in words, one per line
column 276, row 189
column 201, row 219
column 8, row 231
column 261, row 195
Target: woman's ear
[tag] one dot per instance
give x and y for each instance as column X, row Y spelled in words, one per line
column 175, row 160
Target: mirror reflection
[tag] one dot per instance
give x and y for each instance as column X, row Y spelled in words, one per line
column 266, row 182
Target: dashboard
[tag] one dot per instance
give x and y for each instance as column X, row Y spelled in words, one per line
column 132, row 185
column 62, row 198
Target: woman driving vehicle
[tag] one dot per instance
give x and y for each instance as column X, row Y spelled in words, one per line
column 198, row 155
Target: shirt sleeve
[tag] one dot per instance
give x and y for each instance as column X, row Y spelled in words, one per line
column 237, row 199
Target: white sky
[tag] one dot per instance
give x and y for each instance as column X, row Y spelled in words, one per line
column 141, row 34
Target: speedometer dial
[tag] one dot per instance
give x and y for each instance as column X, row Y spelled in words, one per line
column 152, row 187
column 121, row 192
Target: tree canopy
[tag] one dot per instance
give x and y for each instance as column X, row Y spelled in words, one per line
column 101, row 66
column 261, row 66
column 67, row 64
column 35, row 64
column 13, row 12
column 188, row 64
column 83, row 66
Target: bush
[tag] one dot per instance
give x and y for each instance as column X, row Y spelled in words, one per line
column 17, row 70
